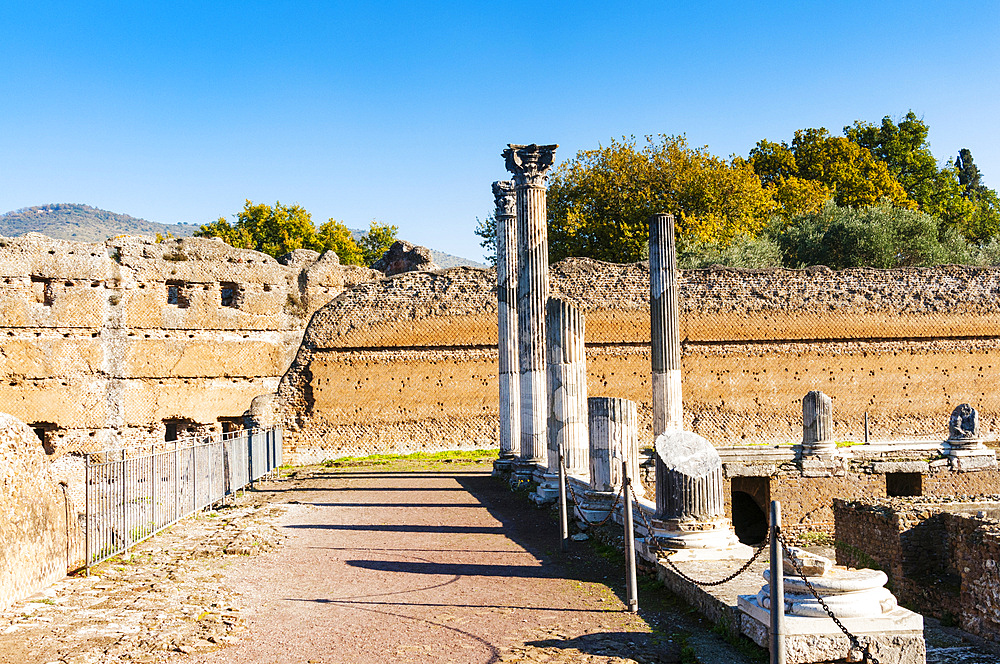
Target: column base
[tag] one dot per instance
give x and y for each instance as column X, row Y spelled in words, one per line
column 595, row 506
column 523, row 473
column 548, row 489
column 696, row 540
column 503, row 466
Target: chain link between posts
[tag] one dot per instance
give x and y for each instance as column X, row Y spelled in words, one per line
column 579, row 513
column 856, row 646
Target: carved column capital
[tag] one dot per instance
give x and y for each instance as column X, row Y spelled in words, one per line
column 529, row 163
column 506, row 199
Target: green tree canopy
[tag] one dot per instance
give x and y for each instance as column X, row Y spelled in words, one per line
column 817, row 165
column 279, row 229
column 600, row 201
column 336, row 237
column 377, row 241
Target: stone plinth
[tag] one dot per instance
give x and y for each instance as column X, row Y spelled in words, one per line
column 613, row 436
column 567, row 372
column 964, row 447
column 509, row 375
column 857, row 597
column 896, row 637
column 529, row 164
column 691, row 519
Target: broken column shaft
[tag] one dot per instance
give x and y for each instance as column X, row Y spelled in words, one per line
column 817, row 425
column 613, row 437
column 529, row 164
column 510, row 402
column 567, row 385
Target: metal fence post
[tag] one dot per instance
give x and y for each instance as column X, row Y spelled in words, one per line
column 563, row 519
column 632, row 581
column 776, row 635
column 86, row 512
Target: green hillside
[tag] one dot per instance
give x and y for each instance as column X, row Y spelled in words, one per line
column 82, row 223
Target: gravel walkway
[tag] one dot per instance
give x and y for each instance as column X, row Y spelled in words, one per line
column 404, row 563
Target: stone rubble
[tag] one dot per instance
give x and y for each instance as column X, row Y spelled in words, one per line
column 159, row 600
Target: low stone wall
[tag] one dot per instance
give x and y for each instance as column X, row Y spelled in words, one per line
column 36, row 537
column 940, row 555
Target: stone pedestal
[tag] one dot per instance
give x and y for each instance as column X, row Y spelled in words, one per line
column 529, row 164
column 567, row 382
column 857, row 597
column 613, row 436
column 817, row 426
column 964, row 447
column 691, row 519
column 510, row 401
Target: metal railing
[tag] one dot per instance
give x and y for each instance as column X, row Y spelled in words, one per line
column 134, row 493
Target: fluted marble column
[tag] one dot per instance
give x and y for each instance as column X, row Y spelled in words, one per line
column 613, row 437
column 510, row 389
column 665, row 341
column 567, row 385
column 817, row 425
column 529, row 164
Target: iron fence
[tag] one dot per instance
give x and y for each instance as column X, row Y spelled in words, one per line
column 132, row 494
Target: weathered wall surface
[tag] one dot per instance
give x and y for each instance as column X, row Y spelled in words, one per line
column 941, row 557
column 33, row 515
column 410, row 362
column 102, row 344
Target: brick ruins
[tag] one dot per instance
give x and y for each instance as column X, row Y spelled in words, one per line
column 132, row 341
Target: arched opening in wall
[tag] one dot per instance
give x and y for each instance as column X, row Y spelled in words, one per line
column 749, row 498
column 903, row 484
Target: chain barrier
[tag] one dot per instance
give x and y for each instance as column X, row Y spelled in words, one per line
column 578, row 513
column 856, row 646
column 665, row 554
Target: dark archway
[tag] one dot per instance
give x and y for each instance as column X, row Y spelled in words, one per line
column 749, row 519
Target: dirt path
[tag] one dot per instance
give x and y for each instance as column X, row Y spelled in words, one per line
column 410, row 562
column 425, row 566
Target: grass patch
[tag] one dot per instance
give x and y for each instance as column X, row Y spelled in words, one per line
column 385, row 459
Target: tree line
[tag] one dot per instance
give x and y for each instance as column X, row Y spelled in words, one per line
column 873, row 196
column 279, row 229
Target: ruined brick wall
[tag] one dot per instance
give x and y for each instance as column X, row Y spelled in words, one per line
column 102, row 344
column 941, row 556
column 906, row 346
column 33, row 516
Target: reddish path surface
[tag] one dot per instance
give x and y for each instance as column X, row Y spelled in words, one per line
column 419, row 566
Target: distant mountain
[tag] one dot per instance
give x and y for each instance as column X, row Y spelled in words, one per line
column 82, row 223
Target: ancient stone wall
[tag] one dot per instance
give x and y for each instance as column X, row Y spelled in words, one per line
column 131, row 341
column 34, row 539
column 410, row 362
column 941, row 556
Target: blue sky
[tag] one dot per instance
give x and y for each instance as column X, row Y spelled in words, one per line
column 178, row 111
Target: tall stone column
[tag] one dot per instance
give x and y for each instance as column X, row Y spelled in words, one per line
column 529, row 164
column 665, row 340
column 690, row 500
column 510, row 388
column 567, row 384
column 613, row 437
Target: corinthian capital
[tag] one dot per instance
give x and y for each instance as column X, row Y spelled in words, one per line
column 529, row 163
column 506, row 199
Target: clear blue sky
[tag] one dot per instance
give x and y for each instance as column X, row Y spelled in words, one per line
column 397, row 111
